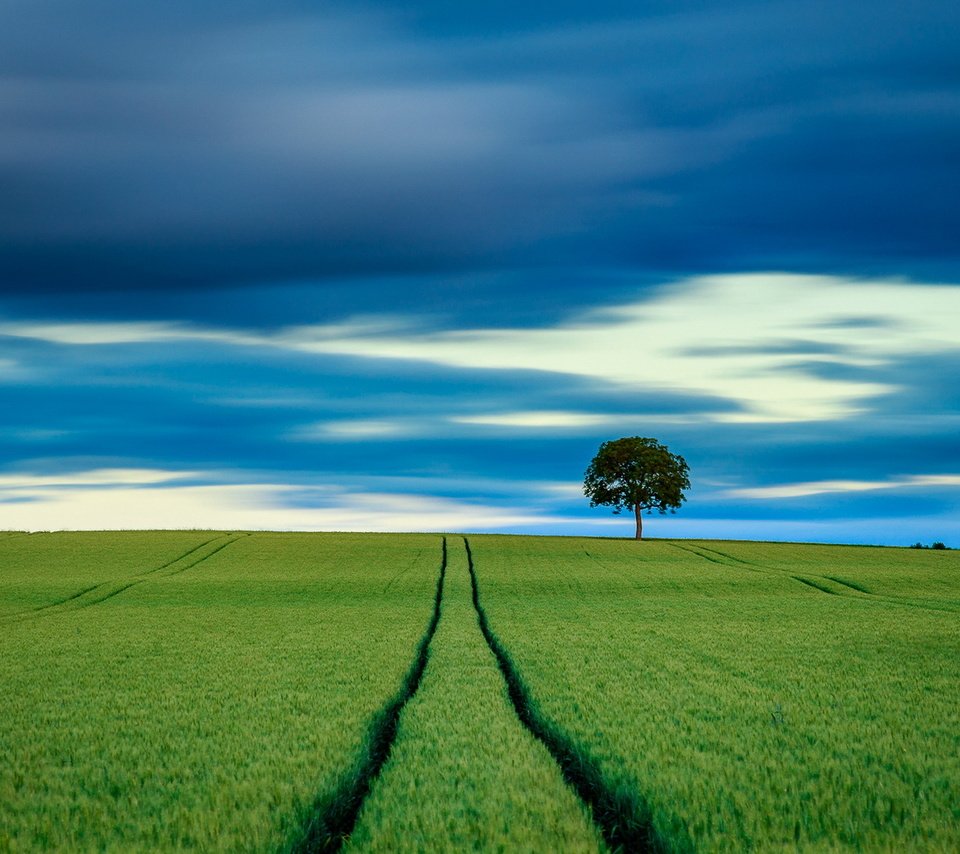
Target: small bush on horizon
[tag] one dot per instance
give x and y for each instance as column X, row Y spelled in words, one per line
column 937, row 545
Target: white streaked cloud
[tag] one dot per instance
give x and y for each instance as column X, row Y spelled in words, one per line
column 86, row 334
column 763, row 342
column 560, row 491
column 281, row 507
column 533, row 419
column 825, row 487
column 359, row 429
column 13, row 371
column 560, row 420
column 80, row 502
column 106, row 499
column 407, row 427
column 720, row 336
column 94, row 477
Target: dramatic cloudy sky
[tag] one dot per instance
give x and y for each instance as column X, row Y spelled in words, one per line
column 403, row 266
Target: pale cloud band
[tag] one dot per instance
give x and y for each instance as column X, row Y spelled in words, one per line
column 720, row 336
column 25, row 483
column 154, row 499
column 763, row 344
column 827, row 487
column 403, row 427
column 560, row 420
column 137, row 499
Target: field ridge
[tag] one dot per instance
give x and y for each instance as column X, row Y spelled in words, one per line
column 334, row 814
column 623, row 817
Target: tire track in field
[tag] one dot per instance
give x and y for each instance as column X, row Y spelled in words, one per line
column 200, row 560
column 186, row 554
column 690, row 550
column 334, row 814
column 63, row 601
column 150, row 574
column 737, row 563
column 403, row 571
column 730, row 557
column 815, row 586
column 750, row 567
column 147, row 576
column 111, row 588
column 40, row 610
column 856, row 592
column 622, row 816
column 858, row 587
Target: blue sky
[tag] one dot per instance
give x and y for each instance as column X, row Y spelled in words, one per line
column 403, row 266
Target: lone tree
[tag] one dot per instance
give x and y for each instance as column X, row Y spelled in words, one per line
column 636, row 473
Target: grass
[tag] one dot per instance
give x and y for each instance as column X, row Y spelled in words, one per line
column 230, row 691
column 43, row 569
column 334, row 815
column 207, row 709
column 464, row 774
column 749, row 708
column 621, row 814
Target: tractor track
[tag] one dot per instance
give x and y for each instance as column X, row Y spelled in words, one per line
column 334, row 814
column 186, row 554
column 730, row 557
column 217, row 550
column 151, row 574
column 815, row 586
column 856, row 592
column 403, row 571
column 622, row 816
column 858, row 587
column 114, row 588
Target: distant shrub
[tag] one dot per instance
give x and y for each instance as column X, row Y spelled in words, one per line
column 938, row 545
column 918, row 546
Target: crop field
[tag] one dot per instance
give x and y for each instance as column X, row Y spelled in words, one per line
column 371, row 692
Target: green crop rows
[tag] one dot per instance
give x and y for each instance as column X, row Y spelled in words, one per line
column 205, row 709
column 295, row 692
column 749, row 707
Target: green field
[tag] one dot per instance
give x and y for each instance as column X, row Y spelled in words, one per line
column 293, row 692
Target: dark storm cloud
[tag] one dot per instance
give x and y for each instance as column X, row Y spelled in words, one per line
column 206, row 144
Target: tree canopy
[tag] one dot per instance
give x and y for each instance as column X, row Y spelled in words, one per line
column 636, row 473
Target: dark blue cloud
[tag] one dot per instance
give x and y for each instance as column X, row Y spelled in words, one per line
column 205, row 145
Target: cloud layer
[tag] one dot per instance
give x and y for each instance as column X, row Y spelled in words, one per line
column 371, row 264
column 764, row 347
column 197, row 145
column 795, row 399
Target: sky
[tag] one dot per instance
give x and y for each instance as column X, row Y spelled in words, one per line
column 404, row 266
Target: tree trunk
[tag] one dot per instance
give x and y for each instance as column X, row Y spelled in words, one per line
column 636, row 511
